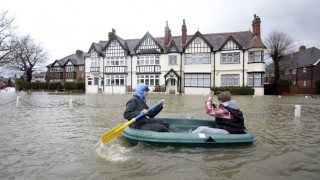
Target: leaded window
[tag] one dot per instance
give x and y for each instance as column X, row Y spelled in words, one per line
column 255, row 79
column 149, row 79
column 197, row 80
column 116, row 80
column 230, row 80
column 148, row 60
column 116, row 61
column 230, row 58
column 172, row 59
column 198, row 58
column 256, row 56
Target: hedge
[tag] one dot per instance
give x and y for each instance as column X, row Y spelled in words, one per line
column 43, row 85
column 54, row 85
column 26, row 85
column 35, row 85
column 235, row 90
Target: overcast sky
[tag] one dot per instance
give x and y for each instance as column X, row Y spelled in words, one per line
column 63, row 26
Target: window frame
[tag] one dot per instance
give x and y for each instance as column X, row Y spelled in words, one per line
column 197, row 80
column 230, row 80
column 232, row 55
column 252, row 56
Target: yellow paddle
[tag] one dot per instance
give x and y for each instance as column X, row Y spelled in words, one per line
column 112, row 133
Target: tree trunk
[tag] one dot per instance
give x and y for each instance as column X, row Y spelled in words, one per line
column 276, row 70
column 29, row 75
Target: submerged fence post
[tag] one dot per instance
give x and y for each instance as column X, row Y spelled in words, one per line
column 17, row 103
column 297, row 112
column 70, row 104
column 254, row 96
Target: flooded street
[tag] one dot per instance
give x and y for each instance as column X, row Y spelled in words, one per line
column 44, row 139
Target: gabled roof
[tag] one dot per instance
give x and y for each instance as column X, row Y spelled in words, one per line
column 76, row 59
column 122, row 42
column 98, row 47
column 171, row 45
column 232, row 39
column 302, row 58
column 161, row 41
column 197, row 34
column 173, row 71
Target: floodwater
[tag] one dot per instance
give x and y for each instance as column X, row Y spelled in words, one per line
column 44, row 139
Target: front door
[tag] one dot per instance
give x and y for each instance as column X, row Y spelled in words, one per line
column 172, row 86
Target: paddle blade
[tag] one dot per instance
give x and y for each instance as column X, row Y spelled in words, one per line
column 112, row 133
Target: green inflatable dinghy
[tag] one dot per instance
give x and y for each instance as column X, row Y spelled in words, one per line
column 134, row 136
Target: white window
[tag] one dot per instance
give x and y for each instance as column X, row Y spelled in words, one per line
column 197, row 80
column 70, row 80
column 294, row 71
column 116, row 61
column 255, row 79
column 114, row 43
column 197, row 40
column 304, row 70
column 230, row 80
column 148, row 60
column 70, row 69
column 304, row 83
column 286, row 71
column 148, row 41
column 272, row 74
column 172, row 59
column 94, row 62
column 115, row 80
column 55, row 69
column 149, row 79
column 256, row 56
column 230, row 58
column 198, row 58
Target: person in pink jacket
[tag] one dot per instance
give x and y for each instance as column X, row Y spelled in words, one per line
column 229, row 118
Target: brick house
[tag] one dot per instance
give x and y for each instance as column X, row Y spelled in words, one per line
column 301, row 67
column 68, row 69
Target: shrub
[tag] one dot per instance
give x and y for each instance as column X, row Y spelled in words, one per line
column 43, row 85
column 26, row 85
column 80, row 85
column 54, row 85
column 35, row 85
column 18, row 84
column 70, row 85
column 318, row 86
column 235, row 90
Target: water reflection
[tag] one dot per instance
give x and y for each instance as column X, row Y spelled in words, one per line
column 44, row 139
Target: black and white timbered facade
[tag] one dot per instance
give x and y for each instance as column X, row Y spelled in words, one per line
column 179, row 64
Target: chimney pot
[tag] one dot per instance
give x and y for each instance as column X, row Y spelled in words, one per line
column 302, row 48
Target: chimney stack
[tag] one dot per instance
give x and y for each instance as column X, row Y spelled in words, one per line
column 302, row 48
column 167, row 34
column 111, row 34
column 184, row 33
column 79, row 52
column 256, row 26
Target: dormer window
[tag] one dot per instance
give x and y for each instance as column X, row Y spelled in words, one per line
column 94, row 55
column 114, row 43
column 197, row 40
column 148, row 41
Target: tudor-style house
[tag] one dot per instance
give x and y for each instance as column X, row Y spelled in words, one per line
column 189, row 64
column 301, row 67
column 68, row 69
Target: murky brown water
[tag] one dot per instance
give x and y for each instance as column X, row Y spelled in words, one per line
column 43, row 139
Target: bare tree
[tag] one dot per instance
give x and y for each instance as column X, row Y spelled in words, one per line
column 27, row 55
column 6, row 34
column 278, row 45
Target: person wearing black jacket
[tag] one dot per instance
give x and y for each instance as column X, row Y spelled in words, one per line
column 137, row 105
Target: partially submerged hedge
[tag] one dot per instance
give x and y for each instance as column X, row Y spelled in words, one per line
column 234, row 90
